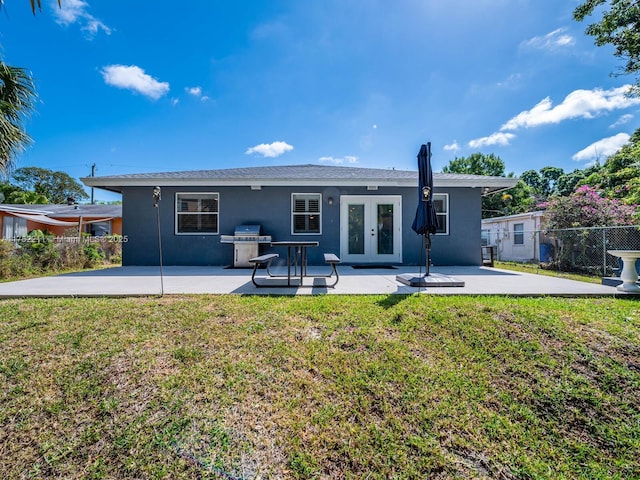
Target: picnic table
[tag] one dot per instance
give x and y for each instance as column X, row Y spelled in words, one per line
column 296, row 258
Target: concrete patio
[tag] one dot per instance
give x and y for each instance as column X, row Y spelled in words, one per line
column 143, row 281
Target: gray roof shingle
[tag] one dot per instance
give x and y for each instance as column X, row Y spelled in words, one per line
column 282, row 172
column 293, row 173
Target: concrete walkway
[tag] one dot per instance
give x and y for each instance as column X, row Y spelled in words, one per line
column 142, row 281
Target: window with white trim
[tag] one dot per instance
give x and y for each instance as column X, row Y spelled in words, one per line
column 197, row 213
column 441, row 203
column 518, row 233
column 306, row 214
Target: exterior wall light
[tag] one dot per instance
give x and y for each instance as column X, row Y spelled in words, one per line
column 156, row 196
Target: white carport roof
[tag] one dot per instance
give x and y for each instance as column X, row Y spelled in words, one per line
column 54, row 222
column 44, row 219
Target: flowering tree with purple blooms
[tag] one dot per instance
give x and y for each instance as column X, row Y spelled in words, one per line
column 568, row 220
column 586, row 207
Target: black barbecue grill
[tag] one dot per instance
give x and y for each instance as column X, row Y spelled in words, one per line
column 246, row 241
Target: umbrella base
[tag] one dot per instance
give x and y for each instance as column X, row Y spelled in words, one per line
column 431, row 280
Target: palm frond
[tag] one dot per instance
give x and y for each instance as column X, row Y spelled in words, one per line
column 17, row 99
column 36, row 4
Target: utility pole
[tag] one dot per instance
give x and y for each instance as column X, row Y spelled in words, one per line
column 93, row 174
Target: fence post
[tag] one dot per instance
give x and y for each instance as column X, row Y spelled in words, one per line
column 604, row 252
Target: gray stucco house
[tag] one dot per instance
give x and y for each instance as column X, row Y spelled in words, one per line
column 363, row 215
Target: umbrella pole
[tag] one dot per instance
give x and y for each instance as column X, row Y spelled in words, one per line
column 427, row 238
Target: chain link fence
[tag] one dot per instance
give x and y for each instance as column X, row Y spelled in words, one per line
column 581, row 250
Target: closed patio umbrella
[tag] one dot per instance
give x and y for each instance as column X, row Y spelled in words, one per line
column 426, row 221
column 425, row 224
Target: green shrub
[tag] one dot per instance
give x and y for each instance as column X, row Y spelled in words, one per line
column 13, row 263
column 41, row 252
column 112, row 248
column 94, row 255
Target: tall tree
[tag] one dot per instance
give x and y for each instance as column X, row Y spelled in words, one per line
column 477, row 164
column 518, row 199
column 568, row 182
column 550, row 176
column 23, row 197
column 533, row 179
column 619, row 177
column 7, row 189
column 619, row 27
column 55, row 186
column 17, row 98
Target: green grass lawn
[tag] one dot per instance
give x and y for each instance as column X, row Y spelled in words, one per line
column 535, row 268
column 231, row 387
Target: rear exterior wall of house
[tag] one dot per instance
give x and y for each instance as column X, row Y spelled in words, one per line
column 271, row 208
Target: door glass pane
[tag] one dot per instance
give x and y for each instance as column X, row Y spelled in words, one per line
column 385, row 229
column 356, row 229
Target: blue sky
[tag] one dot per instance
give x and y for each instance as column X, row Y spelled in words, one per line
column 138, row 86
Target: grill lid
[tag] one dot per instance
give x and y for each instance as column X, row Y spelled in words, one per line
column 243, row 230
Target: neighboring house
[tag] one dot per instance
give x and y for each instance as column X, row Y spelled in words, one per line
column 517, row 238
column 97, row 220
column 364, row 215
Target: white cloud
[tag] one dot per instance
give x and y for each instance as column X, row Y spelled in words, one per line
column 511, row 81
column 339, row 160
column 452, row 147
column 602, row 148
column 75, row 11
column 195, row 91
column 626, row 118
column 497, row 138
column 578, row 104
column 551, row 41
column 270, row 150
column 134, row 78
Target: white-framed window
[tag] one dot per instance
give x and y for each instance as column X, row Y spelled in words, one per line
column 13, row 227
column 197, row 213
column 518, row 233
column 98, row 229
column 306, row 213
column 441, row 202
column 485, row 237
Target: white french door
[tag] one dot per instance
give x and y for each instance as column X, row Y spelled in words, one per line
column 371, row 228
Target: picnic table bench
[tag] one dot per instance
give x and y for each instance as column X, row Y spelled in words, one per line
column 265, row 260
column 332, row 260
column 257, row 262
